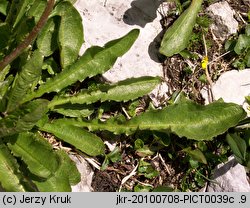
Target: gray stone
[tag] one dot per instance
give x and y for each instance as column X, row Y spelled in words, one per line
column 229, row 177
column 105, row 22
column 232, row 86
column 224, row 23
column 86, row 174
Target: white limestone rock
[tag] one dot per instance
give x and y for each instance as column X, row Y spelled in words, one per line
column 159, row 94
column 232, row 86
column 104, row 22
column 224, row 23
column 229, row 177
column 86, row 175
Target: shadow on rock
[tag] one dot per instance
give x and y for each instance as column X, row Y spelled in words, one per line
column 141, row 12
column 154, row 46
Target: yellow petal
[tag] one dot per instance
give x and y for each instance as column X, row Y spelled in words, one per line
column 204, row 62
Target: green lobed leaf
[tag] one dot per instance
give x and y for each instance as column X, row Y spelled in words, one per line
column 138, row 144
column 248, row 163
column 64, row 177
column 147, row 169
column 3, row 6
column 30, row 72
column 36, row 152
column 196, row 155
column 192, row 120
column 186, row 119
column 74, row 110
column 10, row 176
column 33, row 10
column 17, row 11
column 50, row 65
column 36, row 9
column 230, row 44
column 243, row 42
column 80, row 138
column 129, row 89
column 142, row 188
column 145, row 151
column 238, row 146
column 69, row 167
column 177, row 36
column 115, row 155
column 4, row 86
column 163, row 189
column 247, row 30
column 5, row 35
column 32, row 13
column 247, row 58
column 70, row 34
column 47, row 39
column 4, row 73
column 162, row 138
column 23, row 118
column 21, row 31
column 95, row 61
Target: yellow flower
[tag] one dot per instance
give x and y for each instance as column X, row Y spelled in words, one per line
column 204, row 62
